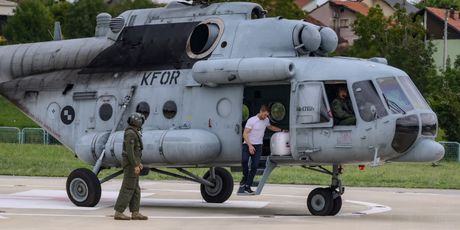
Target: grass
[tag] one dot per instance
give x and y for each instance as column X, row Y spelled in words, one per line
column 10, row 116
column 58, row 161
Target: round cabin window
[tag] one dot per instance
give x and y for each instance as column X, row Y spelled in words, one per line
column 143, row 108
column 105, row 111
column 278, row 111
column 170, row 109
column 245, row 112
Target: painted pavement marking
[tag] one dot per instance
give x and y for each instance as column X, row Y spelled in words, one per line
column 52, row 199
column 373, row 208
column 57, row 199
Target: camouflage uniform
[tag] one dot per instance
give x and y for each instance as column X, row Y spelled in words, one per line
column 343, row 112
column 130, row 192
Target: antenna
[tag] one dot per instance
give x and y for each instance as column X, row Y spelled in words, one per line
column 57, row 36
column 200, row 2
column 195, row 2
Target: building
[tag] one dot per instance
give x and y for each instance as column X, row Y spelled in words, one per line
column 6, row 9
column 309, row 5
column 389, row 6
column 340, row 16
column 434, row 19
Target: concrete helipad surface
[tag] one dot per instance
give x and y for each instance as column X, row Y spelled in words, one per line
column 42, row 203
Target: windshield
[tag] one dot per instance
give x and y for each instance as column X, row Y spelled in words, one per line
column 412, row 92
column 369, row 104
column 395, row 97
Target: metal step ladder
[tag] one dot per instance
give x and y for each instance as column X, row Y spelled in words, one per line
column 266, row 167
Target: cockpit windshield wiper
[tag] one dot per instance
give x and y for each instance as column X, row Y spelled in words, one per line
column 393, row 105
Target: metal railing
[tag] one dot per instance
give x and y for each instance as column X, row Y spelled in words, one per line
column 33, row 136
column 10, row 135
column 452, row 150
column 26, row 136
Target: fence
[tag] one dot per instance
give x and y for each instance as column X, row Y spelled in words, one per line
column 452, row 150
column 10, row 135
column 26, row 136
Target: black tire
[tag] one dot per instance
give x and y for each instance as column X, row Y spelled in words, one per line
column 337, row 205
column 83, row 188
column 223, row 186
column 320, row 202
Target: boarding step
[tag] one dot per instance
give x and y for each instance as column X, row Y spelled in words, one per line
column 269, row 167
column 279, row 159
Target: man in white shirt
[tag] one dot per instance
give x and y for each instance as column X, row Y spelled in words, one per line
column 252, row 147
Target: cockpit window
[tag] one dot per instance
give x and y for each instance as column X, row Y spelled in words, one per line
column 369, row 104
column 394, row 96
column 412, row 92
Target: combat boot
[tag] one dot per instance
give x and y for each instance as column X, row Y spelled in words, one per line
column 121, row 216
column 138, row 216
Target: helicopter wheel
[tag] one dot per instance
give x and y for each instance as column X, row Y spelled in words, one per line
column 222, row 189
column 320, row 202
column 83, row 188
column 337, row 205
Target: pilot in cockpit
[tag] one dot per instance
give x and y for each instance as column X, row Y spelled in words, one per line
column 342, row 110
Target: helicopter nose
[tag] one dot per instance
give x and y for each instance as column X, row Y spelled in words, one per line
column 426, row 150
column 410, row 128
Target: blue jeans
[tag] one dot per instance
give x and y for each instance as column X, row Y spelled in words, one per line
column 249, row 174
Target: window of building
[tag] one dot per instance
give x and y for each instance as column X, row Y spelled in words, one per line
column 344, row 23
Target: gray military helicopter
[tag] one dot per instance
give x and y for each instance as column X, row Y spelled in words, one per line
column 193, row 70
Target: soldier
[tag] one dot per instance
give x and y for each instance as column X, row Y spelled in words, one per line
column 130, row 192
column 342, row 108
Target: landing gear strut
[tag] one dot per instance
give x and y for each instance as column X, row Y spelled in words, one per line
column 84, row 188
column 327, row 201
column 216, row 184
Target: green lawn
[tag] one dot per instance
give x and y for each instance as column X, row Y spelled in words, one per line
column 11, row 116
column 57, row 161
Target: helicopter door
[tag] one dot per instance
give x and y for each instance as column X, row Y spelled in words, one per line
column 218, row 110
column 310, row 112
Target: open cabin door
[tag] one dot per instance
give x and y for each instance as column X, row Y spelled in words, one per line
column 218, row 110
column 277, row 98
column 309, row 111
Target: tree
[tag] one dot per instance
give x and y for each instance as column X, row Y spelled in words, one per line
column 80, row 19
column 32, row 22
column 444, row 4
column 59, row 10
column 284, row 8
column 445, row 99
column 117, row 9
column 399, row 39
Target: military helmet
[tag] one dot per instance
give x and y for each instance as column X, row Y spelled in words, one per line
column 136, row 120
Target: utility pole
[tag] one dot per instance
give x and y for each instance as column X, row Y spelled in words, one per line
column 444, row 61
column 425, row 17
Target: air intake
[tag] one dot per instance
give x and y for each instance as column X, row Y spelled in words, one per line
column 116, row 24
column 102, row 24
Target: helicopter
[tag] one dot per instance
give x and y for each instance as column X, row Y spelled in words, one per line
column 196, row 71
